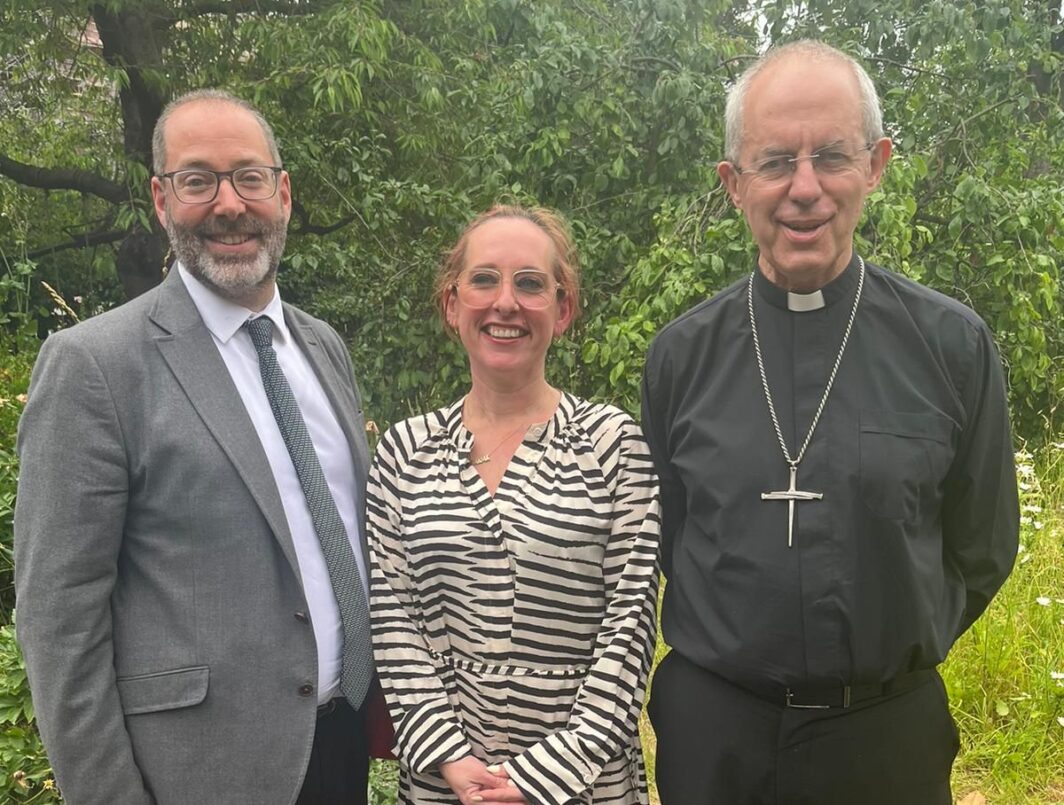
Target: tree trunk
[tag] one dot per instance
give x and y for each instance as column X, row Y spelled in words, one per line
column 130, row 42
column 140, row 262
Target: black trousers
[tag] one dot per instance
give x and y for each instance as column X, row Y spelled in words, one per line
column 338, row 772
column 718, row 744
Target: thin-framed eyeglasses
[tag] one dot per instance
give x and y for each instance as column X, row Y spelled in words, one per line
column 480, row 287
column 200, row 185
column 829, row 161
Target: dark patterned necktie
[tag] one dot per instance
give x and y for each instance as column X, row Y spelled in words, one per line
column 357, row 668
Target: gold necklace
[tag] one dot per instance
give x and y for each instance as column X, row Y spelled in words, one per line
column 484, row 459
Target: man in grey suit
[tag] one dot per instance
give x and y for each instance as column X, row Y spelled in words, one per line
column 189, row 548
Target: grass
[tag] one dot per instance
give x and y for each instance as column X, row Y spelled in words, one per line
column 1006, row 675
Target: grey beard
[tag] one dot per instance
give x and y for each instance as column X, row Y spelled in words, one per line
column 233, row 278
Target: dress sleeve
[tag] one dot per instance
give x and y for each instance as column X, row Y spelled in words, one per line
column 606, row 712
column 427, row 730
column 980, row 514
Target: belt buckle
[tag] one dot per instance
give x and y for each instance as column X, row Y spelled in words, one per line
column 845, row 701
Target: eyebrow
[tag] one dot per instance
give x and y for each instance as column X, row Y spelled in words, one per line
column 494, row 267
column 202, row 164
column 776, row 151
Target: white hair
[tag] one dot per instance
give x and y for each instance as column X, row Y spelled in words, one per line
column 871, row 114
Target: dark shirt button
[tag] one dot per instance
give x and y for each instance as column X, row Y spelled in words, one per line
column 302, row 617
column 306, row 690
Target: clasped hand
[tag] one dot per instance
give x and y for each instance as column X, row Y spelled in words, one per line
column 478, row 784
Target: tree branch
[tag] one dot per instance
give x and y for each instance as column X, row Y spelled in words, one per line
column 307, row 228
column 229, row 7
column 80, row 242
column 963, row 125
column 910, row 68
column 63, row 179
column 658, row 60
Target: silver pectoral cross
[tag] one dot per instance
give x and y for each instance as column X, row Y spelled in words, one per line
column 790, row 495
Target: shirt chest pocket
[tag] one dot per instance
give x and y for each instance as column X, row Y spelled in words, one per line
column 904, row 458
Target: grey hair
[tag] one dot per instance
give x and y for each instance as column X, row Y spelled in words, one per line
column 158, row 138
column 871, row 113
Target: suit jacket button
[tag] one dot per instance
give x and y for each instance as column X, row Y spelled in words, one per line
column 306, row 690
column 302, row 617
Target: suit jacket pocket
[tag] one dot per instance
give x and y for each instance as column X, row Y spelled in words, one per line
column 163, row 690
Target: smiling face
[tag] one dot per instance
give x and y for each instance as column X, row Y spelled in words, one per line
column 804, row 225
column 231, row 244
column 505, row 340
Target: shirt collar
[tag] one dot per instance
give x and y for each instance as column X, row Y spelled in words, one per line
column 223, row 317
column 842, row 287
column 448, row 423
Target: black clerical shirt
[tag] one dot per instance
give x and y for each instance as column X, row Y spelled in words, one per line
column 918, row 526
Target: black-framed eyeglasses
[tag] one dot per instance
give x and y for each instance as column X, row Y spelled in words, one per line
column 827, row 161
column 200, row 186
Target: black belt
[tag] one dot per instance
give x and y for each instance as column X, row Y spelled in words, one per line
column 826, row 697
column 329, row 707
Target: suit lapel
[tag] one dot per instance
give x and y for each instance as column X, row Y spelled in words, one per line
column 189, row 350
column 344, row 405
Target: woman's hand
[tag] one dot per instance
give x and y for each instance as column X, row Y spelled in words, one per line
column 511, row 793
column 474, row 784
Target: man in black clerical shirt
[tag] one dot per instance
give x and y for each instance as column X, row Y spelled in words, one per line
column 837, row 479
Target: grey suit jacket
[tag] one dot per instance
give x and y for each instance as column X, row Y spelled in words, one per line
column 156, row 578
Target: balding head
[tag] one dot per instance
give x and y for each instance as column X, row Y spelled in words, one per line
column 805, row 50
column 206, row 96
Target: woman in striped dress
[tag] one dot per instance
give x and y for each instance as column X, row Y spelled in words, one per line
column 514, row 538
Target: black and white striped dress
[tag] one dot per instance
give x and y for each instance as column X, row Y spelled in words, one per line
column 520, row 627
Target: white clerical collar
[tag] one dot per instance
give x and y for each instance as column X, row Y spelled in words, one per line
column 840, row 288
column 223, row 317
column 804, row 302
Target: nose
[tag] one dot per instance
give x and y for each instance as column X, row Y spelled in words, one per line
column 506, row 299
column 228, row 203
column 805, row 183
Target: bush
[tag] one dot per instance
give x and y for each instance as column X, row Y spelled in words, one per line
column 16, row 360
column 27, row 773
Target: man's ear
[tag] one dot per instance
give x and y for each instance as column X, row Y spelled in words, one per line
column 881, row 151
column 284, row 191
column 729, row 176
column 158, row 197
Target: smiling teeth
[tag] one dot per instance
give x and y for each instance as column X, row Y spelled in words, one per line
column 504, row 332
column 231, row 240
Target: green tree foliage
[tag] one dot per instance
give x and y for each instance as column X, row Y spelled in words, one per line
column 400, row 120
column 972, row 203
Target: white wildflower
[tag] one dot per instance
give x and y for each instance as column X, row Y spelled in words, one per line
column 1043, row 601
